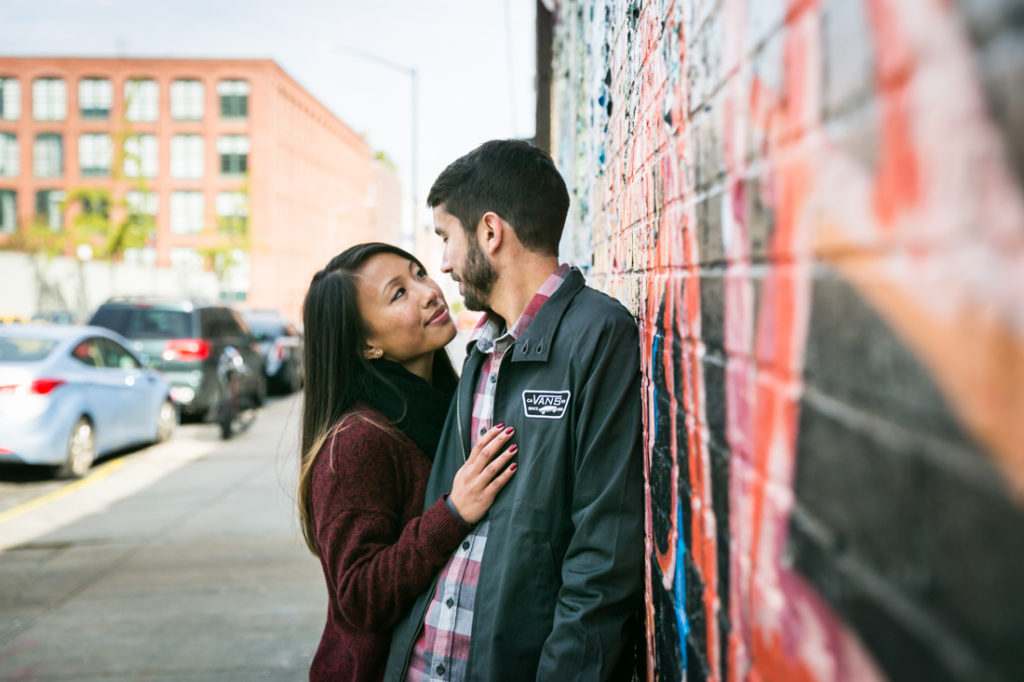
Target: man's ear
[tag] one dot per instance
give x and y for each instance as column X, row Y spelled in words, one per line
column 491, row 232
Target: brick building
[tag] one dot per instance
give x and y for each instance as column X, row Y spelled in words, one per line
column 201, row 146
column 815, row 210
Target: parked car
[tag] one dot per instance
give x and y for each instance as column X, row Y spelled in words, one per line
column 69, row 394
column 206, row 351
column 281, row 345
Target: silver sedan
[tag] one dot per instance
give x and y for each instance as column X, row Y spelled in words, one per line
column 69, row 394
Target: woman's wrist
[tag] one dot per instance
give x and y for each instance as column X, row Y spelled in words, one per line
column 452, row 508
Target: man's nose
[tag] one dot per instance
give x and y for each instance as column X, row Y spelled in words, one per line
column 446, row 266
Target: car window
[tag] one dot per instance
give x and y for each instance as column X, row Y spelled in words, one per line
column 207, row 323
column 155, row 323
column 112, row 317
column 25, row 349
column 88, row 353
column 267, row 328
column 115, row 355
column 225, row 326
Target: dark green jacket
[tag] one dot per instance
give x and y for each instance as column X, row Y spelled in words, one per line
column 562, row 571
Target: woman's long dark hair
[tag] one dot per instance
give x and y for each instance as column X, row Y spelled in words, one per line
column 338, row 375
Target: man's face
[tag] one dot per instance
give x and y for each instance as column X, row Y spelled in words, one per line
column 465, row 261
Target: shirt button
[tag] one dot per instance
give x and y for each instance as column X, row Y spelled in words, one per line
column 440, row 670
column 465, row 545
column 450, row 603
column 493, row 378
column 482, row 430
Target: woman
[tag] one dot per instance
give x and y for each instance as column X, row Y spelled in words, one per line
column 378, row 385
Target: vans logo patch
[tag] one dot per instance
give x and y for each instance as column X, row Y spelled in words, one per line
column 545, row 404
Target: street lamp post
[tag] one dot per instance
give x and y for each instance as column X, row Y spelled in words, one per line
column 414, row 81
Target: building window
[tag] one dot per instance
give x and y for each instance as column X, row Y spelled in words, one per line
column 95, row 96
column 98, row 206
column 48, row 155
column 94, row 154
column 49, row 208
column 234, row 154
column 142, row 99
column 141, row 203
column 187, row 156
column 140, row 156
column 10, row 99
column 234, row 98
column 186, row 258
column 9, row 155
column 187, row 100
column 8, row 212
column 49, row 99
column 186, row 212
column 232, row 212
column 141, row 210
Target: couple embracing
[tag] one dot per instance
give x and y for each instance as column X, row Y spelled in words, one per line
column 488, row 526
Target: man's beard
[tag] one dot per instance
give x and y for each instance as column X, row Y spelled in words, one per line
column 478, row 277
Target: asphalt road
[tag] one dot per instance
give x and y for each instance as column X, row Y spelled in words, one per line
column 181, row 561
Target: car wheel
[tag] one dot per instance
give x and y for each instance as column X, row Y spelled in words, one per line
column 81, row 450
column 230, row 410
column 166, row 420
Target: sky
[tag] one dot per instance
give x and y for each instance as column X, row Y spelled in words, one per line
column 474, row 59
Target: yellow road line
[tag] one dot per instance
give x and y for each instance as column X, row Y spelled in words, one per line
column 98, row 474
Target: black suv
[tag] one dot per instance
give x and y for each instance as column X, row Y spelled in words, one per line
column 205, row 350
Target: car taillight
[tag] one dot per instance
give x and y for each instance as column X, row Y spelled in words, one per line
column 45, row 386
column 38, row 387
column 186, row 349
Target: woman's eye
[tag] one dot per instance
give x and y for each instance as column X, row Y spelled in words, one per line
column 421, row 273
column 399, row 292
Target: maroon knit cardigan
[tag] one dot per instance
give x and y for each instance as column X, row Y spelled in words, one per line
column 378, row 548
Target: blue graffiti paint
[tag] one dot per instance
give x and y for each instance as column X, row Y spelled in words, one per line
column 679, row 586
column 679, row 579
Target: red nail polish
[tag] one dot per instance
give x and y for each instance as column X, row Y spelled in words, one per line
column 510, row 429
column 498, row 426
column 514, row 448
column 513, row 467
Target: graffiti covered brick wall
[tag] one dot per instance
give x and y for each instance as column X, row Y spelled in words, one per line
column 815, row 209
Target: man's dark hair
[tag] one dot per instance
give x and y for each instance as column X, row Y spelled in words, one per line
column 512, row 178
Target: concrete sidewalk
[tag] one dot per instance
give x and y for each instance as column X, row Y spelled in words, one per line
column 184, row 563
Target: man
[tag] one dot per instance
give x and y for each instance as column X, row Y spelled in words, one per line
column 546, row 584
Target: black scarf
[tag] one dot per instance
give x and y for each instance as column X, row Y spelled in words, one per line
column 414, row 406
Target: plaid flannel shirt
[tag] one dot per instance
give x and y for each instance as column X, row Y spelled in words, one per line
column 441, row 651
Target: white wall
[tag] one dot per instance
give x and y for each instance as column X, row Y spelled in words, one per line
column 29, row 284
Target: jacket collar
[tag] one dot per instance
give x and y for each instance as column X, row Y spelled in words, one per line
column 534, row 344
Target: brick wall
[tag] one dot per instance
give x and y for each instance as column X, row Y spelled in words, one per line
column 815, row 209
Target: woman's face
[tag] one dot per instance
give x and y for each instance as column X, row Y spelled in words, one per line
column 404, row 310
